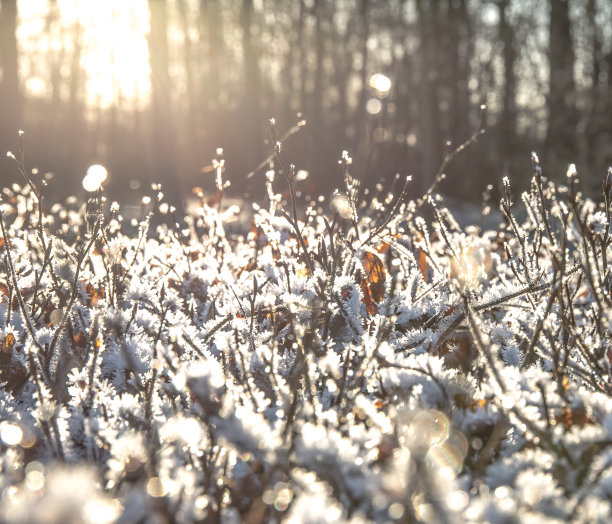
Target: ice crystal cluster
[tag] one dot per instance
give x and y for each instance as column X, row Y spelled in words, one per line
column 364, row 366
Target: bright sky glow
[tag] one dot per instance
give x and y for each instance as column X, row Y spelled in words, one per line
column 109, row 36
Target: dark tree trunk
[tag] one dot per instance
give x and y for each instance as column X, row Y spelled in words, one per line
column 10, row 94
column 190, row 107
column 562, row 118
column 317, row 127
column 595, row 115
column 251, row 117
column 76, row 151
column 344, row 68
column 302, row 54
column 507, row 120
column 459, row 54
column 163, row 126
column 430, row 139
column 361, row 128
column 317, row 93
column 289, row 78
column 212, row 28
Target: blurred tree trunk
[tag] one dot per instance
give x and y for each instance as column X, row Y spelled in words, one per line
column 251, row 117
column 317, row 127
column 459, row 55
column 211, row 30
column 10, row 94
column 606, row 104
column 53, row 25
column 303, row 54
column 189, row 108
column 361, row 128
column 454, row 59
column 596, row 42
column 595, row 116
column 76, row 151
column 317, row 93
column 507, row 120
column 562, row 118
column 406, row 85
column 430, row 139
column 344, row 70
column 289, row 88
column 162, row 132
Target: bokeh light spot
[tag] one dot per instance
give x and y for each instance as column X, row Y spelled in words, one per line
column 11, row 434
column 381, row 83
column 95, row 177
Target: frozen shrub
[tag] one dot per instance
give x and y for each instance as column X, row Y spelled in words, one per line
column 343, row 362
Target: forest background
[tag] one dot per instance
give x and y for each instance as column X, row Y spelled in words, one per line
column 150, row 89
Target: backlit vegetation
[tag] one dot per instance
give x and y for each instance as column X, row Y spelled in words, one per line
column 344, row 360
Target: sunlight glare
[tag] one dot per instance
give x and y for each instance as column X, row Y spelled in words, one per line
column 109, row 40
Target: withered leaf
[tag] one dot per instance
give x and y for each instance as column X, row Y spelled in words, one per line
column 463, row 401
column 195, row 255
column 573, row 417
column 375, row 275
column 423, row 266
column 7, row 343
column 94, row 294
column 383, row 247
column 367, row 297
column 80, row 339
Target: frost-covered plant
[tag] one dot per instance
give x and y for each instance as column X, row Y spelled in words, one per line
column 349, row 362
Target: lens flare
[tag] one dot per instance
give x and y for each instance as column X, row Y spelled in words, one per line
column 427, row 428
